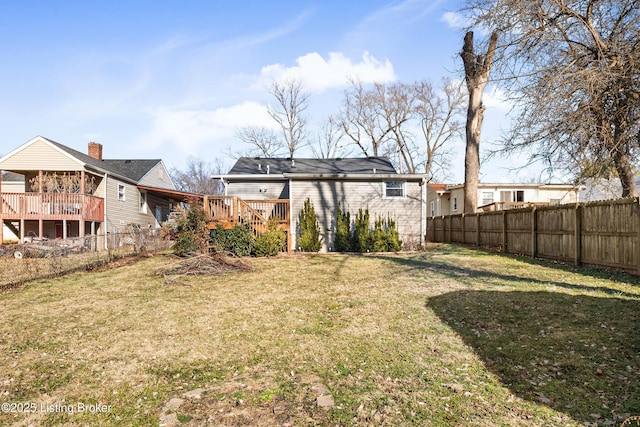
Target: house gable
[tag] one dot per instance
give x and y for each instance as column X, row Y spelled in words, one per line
column 40, row 154
column 158, row 176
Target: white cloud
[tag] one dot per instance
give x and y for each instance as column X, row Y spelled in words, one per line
column 191, row 129
column 318, row 74
column 455, row 20
column 495, row 98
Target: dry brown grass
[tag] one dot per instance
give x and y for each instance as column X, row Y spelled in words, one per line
column 382, row 333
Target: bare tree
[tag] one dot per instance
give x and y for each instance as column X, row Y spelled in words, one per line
column 292, row 101
column 329, row 143
column 396, row 107
column 264, row 141
column 476, row 70
column 572, row 68
column 363, row 118
column 439, row 114
column 196, row 177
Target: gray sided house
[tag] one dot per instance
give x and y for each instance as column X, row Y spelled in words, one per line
column 67, row 194
column 351, row 183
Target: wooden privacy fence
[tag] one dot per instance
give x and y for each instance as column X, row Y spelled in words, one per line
column 599, row 234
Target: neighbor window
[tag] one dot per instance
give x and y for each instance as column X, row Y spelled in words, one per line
column 143, row 202
column 455, row 204
column 554, row 202
column 432, row 208
column 512, row 196
column 487, row 197
column 121, row 192
column 394, row 189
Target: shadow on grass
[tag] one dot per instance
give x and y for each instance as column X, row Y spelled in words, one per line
column 465, row 274
column 578, row 354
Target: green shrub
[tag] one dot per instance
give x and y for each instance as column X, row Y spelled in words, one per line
column 342, row 240
column 191, row 232
column 362, row 238
column 272, row 241
column 238, row 240
column 309, row 239
column 385, row 236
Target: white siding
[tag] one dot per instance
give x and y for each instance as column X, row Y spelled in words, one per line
column 158, row 177
column 39, row 155
column 122, row 212
column 259, row 190
column 353, row 195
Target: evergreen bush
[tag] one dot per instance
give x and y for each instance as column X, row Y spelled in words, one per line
column 385, row 236
column 309, row 239
column 342, row 240
column 272, row 241
column 238, row 240
column 362, row 237
column 191, row 233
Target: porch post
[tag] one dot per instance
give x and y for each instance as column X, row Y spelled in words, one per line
column 40, row 227
column 64, row 229
column 1, row 217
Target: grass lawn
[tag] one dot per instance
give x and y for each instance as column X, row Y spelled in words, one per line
column 451, row 336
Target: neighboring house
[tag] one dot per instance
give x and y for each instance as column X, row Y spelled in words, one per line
column 66, row 193
column 11, row 183
column 595, row 189
column 352, row 183
column 448, row 199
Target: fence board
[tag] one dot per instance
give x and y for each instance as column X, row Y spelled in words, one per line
column 601, row 234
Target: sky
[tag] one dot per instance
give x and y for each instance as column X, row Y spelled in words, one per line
column 169, row 80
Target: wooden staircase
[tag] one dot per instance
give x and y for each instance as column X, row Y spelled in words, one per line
column 228, row 211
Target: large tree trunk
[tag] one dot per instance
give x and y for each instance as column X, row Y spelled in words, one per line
column 477, row 68
column 625, row 172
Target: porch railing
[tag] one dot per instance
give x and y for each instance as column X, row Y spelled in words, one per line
column 47, row 206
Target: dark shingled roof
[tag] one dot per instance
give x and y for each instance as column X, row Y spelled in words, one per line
column 131, row 169
column 12, row 177
column 258, row 166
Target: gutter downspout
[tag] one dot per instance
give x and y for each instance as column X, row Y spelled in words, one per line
column 106, row 221
column 224, row 184
column 292, row 225
column 423, row 212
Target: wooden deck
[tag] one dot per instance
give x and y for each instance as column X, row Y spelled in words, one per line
column 49, row 206
column 229, row 211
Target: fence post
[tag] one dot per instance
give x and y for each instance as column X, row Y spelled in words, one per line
column 464, row 237
column 636, row 211
column 450, row 226
column 504, row 231
column 578, row 234
column 477, row 229
column 534, row 232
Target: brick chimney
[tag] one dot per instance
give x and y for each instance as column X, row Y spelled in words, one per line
column 95, row 150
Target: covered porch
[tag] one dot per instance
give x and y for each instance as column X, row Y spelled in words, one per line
column 51, row 215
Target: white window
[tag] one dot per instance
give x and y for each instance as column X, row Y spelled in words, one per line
column 487, row 198
column 143, row 202
column 512, row 196
column 432, row 208
column 554, row 202
column 121, row 192
column 393, row 189
column 455, row 204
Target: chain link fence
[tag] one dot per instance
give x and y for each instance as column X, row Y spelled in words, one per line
column 41, row 259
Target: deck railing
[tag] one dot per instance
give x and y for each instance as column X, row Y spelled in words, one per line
column 228, row 211
column 49, row 206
